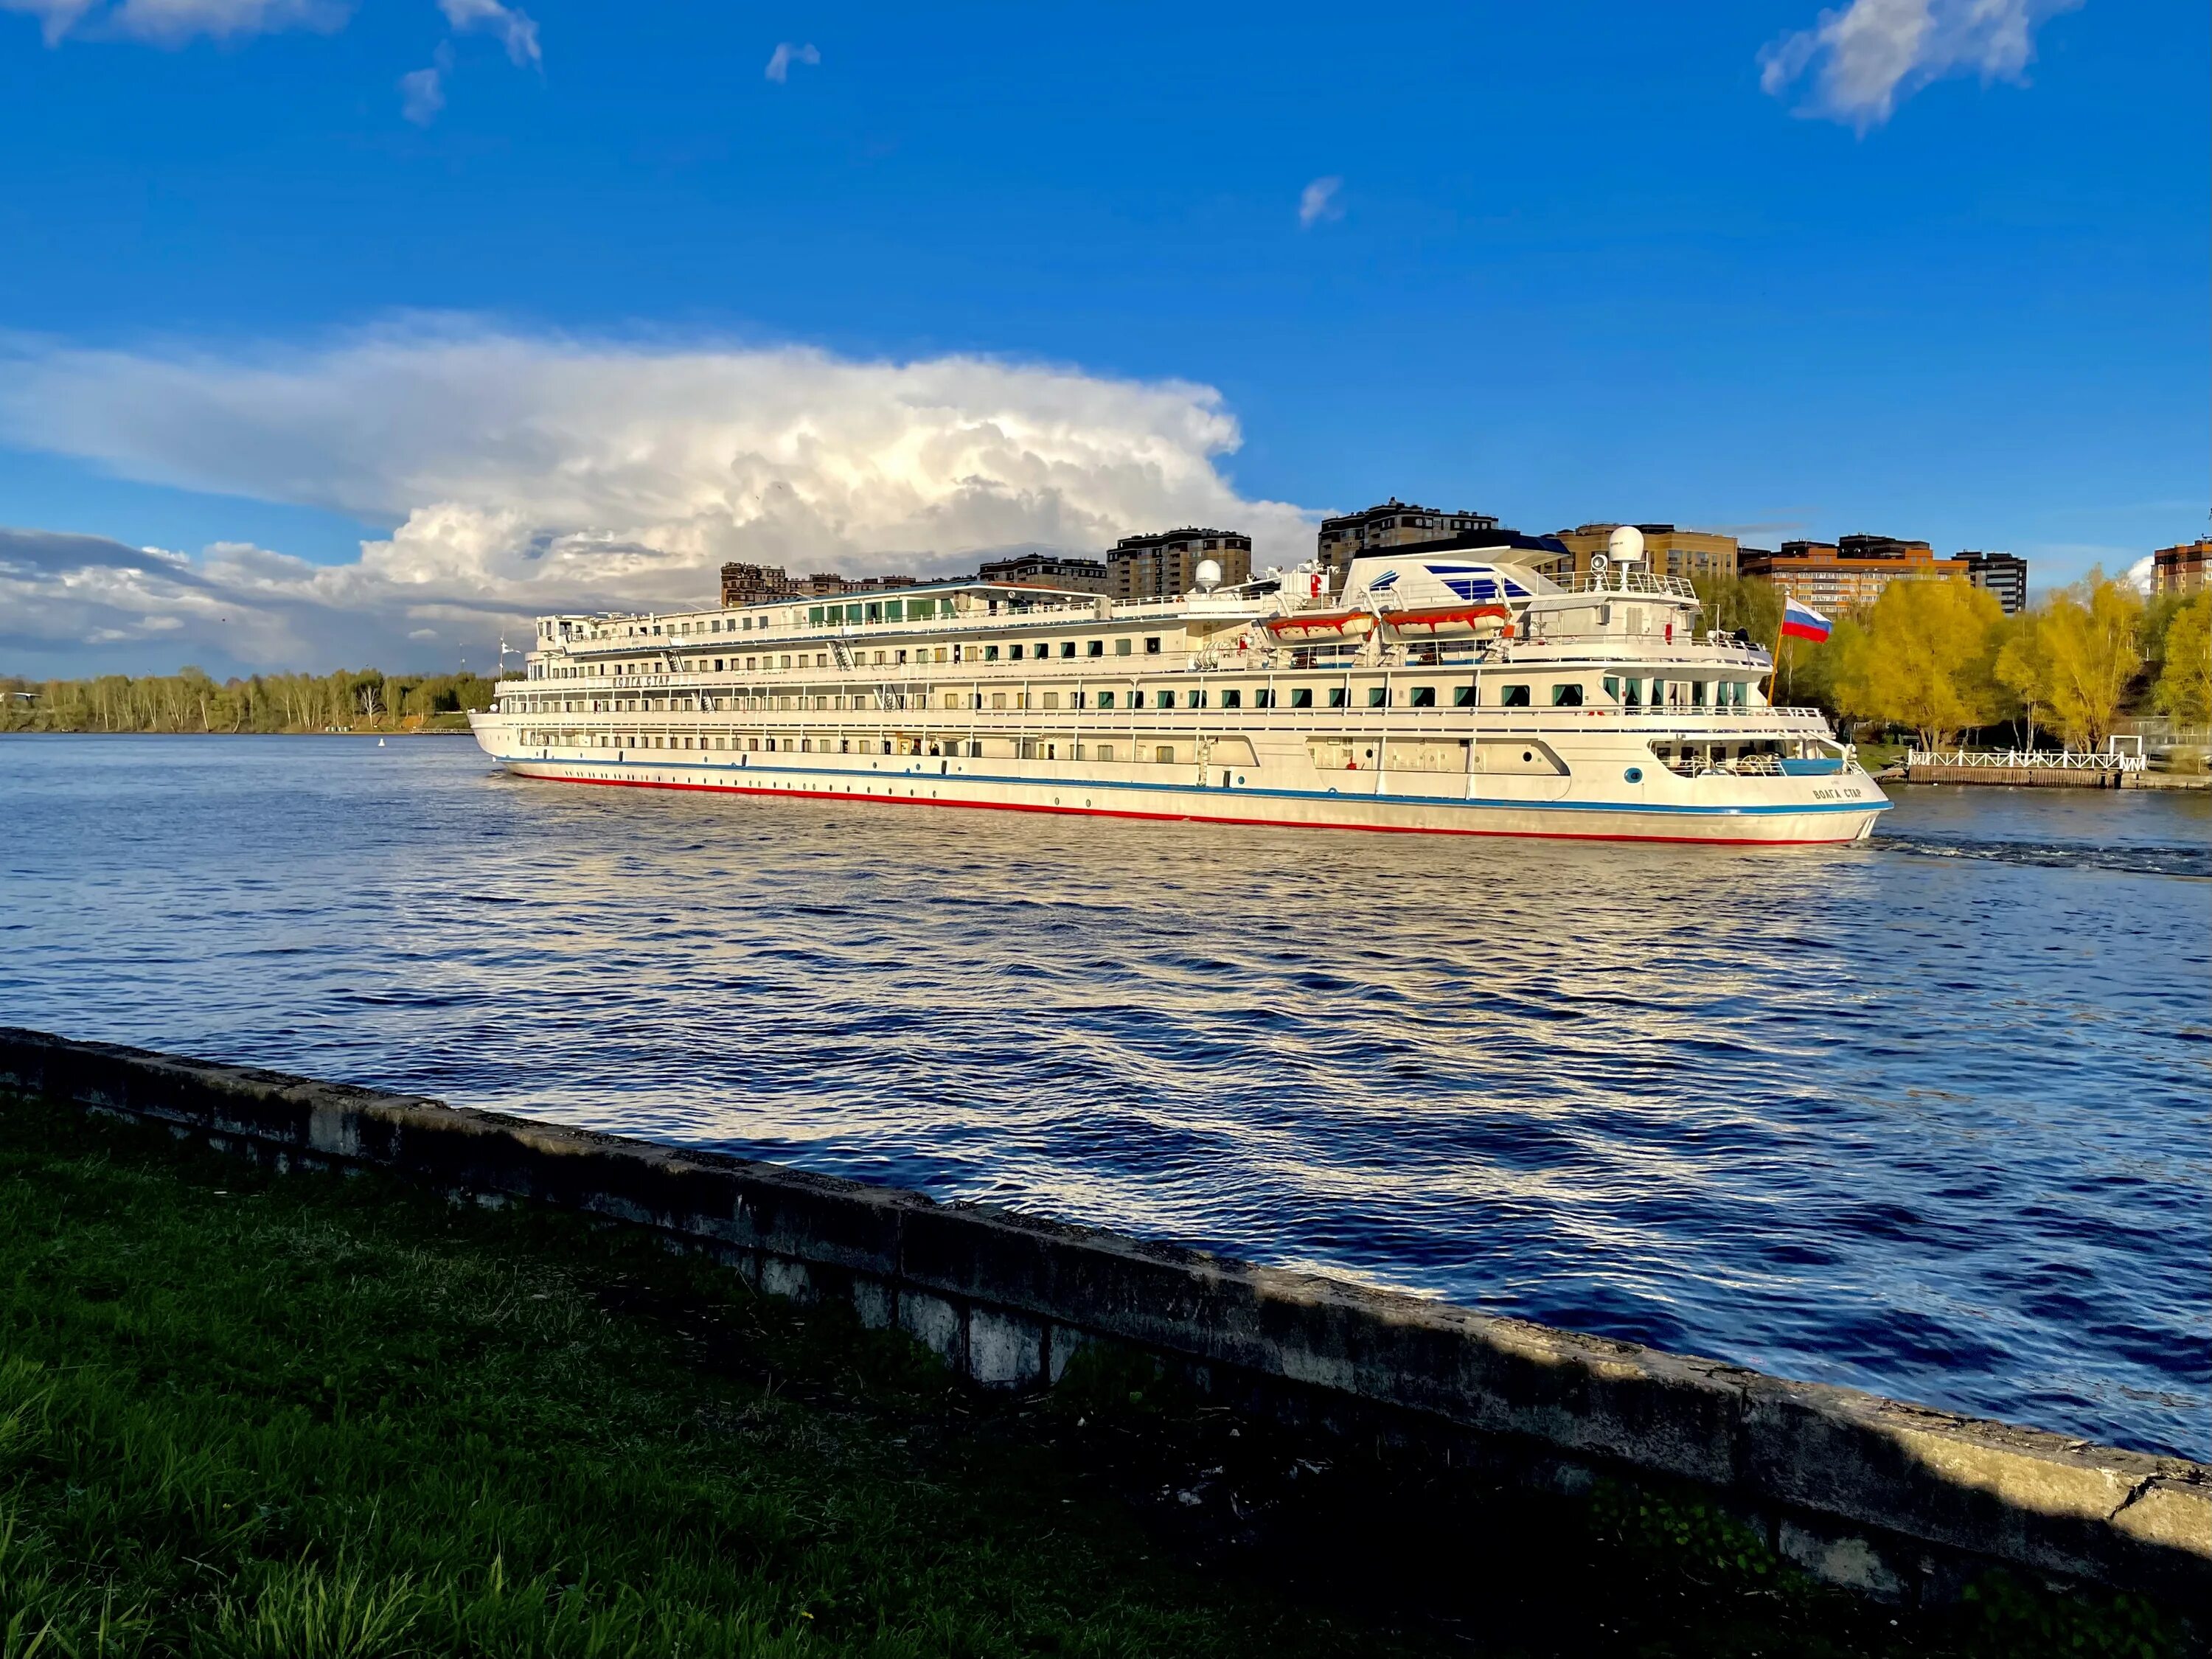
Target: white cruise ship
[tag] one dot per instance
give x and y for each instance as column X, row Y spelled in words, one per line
column 1458, row 694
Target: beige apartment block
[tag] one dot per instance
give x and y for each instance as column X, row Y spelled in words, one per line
column 1668, row 550
column 1166, row 565
column 2179, row 568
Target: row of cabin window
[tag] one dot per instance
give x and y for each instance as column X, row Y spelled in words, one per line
column 1565, row 694
column 873, row 611
column 1163, row 754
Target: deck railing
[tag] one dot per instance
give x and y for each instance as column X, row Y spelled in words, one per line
column 2064, row 760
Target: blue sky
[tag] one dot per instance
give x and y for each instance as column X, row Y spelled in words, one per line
column 1748, row 266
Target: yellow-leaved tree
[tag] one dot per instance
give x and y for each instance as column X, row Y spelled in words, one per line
column 1922, row 657
column 2073, row 657
column 2185, row 684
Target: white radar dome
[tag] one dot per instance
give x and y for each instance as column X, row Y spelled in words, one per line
column 1209, row 575
column 1625, row 544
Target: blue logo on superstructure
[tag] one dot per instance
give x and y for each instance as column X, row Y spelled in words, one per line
column 1470, row 581
column 1382, row 581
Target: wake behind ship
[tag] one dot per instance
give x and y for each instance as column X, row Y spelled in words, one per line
column 1450, row 694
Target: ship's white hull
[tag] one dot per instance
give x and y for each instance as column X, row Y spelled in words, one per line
column 1764, row 811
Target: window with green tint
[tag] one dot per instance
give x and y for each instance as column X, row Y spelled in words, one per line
column 1378, row 697
column 814, row 616
column 1696, row 694
column 1514, row 696
column 1462, row 696
column 1424, row 696
column 1567, row 696
column 1613, row 687
column 876, row 612
column 1302, row 697
column 1166, row 700
column 894, row 609
column 1233, row 699
column 1122, row 648
column 990, row 654
column 1338, row 696
column 1198, row 699
column 1105, row 699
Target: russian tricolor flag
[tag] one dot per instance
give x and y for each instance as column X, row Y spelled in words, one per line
column 1802, row 622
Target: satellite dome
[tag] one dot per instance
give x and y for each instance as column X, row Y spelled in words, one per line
column 1625, row 544
column 1208, row 574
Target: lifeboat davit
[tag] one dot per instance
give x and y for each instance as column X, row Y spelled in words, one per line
column 1309, row 629
column 1442, row 621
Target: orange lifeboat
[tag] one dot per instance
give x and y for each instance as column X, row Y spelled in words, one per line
column 1333, row 627
column 1447, row 620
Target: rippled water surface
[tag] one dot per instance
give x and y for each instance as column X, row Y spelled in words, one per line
column 1929, row 1116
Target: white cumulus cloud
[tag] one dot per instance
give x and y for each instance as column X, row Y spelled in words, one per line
column 1862, row 58
column 1318, row 201
column 526, row 474
column 786, row 54
column 173, row 22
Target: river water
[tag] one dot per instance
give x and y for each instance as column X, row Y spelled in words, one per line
column 1931, row 1115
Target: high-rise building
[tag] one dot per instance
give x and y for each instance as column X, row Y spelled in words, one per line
column 1847, row 574
column 1162, row 565
column 2179, row 568
column 1393, row 524
column 1668, row 550
column 1050, row 570
column 2004, row 574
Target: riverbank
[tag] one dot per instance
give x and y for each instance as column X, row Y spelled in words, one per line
column 242, row 1412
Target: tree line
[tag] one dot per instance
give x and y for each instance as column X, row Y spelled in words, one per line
column 1941, row 659
column 356, row 700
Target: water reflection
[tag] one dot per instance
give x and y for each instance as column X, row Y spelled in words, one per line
column 1928, row 1124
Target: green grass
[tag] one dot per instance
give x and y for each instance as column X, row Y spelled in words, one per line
column 323, row 1416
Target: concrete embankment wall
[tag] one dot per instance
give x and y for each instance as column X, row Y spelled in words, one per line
column 1895, row 1500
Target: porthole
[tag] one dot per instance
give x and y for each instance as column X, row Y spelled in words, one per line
column 1526, row 756
column 1634, row 775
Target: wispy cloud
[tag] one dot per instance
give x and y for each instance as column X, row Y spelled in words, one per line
column 514, row 27
column 1865, row 57
column 422, row 91
column 173, row 22
column 529, row 474
column 1319, row 201
column 785, row 55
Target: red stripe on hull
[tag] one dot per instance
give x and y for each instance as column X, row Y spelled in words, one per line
column 1197, row 818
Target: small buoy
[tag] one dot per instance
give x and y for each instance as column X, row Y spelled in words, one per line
column 379, row 743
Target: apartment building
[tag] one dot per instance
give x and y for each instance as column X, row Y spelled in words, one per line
column 2179, row 568
column 756, row 583
column 1050, row 570
column 2004, row 574
column 1849, row 573
column 1394, row 524
column 1162, row 565
column 1669, row 550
